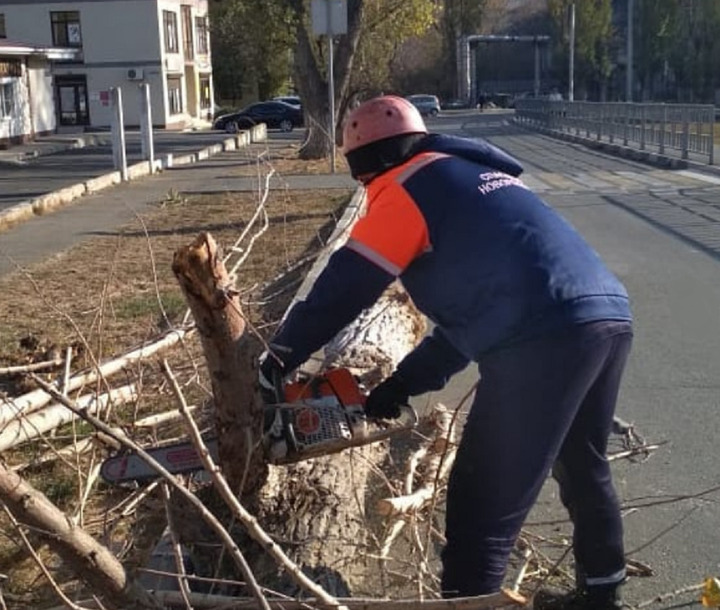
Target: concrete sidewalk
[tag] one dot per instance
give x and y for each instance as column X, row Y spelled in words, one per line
column 39, row 235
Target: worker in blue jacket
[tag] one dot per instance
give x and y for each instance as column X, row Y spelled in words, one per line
column 511, row 285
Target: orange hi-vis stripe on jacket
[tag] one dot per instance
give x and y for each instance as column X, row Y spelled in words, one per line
column 393, row 232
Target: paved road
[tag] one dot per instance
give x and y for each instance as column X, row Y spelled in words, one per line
column 660, row 232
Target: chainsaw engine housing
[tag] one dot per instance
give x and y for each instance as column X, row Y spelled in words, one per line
column 320, row 416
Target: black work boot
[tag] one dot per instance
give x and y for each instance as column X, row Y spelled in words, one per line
column 606, row 597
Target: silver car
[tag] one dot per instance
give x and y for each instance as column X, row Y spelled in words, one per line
column 428, row 105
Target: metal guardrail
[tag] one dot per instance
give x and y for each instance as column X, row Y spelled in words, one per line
column 683, row 128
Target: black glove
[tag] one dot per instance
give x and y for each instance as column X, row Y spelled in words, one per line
column 270, row 377
column 385, row 400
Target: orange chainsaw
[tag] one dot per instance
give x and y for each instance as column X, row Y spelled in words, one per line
column 311, row 418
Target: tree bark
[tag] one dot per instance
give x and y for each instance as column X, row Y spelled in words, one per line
column 231, row 356
column 325, row 506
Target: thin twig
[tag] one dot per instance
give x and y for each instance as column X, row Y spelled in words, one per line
column 66, row 374
column 526, row 556
column 29, row 368
column 642, row 450
column 663, row 597
column 261, row 210
column 540, row 583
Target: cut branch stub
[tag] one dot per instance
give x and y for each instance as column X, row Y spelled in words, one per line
column 231, row 356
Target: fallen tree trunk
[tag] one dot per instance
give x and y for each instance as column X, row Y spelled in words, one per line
column 202, row 601
column 503, row 599
column 37, row 423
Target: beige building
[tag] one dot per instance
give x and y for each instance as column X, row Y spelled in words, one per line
column 120, row 43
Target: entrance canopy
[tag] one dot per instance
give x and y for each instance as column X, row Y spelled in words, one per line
column 467, row 79
column 21, row 49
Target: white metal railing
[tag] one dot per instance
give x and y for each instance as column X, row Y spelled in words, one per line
column 665, row 128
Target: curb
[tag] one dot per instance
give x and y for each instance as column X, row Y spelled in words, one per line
column 54, row 200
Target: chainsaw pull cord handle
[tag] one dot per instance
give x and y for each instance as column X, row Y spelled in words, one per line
column 278, row 385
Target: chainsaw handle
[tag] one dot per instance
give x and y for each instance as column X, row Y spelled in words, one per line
column 411, row 413
column 407, row 412
column 278, row 385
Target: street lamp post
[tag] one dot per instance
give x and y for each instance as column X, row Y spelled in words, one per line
column 630, row 59
column 571, row 62
column 329, row 18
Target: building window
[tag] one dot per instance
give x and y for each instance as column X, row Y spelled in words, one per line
column 202, row 34
column 187, row 31
column 174, row 86
column 66, row 29
column 204, row 93
column 7, row 98
column 171, row 32
column 3, row 33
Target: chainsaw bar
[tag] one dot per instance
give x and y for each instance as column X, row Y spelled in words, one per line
column 178, row 458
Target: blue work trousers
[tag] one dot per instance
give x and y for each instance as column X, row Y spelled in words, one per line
column 543, row 405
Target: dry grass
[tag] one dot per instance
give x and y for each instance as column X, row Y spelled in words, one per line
column 108, row 295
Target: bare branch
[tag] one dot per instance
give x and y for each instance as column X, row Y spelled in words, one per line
column 29, row 368
column 35, row 424
column 177, row 551
column 38, row 561
column 91, row 561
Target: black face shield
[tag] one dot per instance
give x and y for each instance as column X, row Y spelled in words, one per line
column 380, row 156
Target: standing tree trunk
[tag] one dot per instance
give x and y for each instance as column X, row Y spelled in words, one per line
column 311, row 75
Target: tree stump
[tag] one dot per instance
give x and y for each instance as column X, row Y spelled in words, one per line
column 231, row 355
column 316, row 509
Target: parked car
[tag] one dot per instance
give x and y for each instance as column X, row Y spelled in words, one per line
column 275, row 114
column 428, row 105
column 293, row 100
column 454, row 104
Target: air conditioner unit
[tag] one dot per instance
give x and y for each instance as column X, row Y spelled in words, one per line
column 135, row 74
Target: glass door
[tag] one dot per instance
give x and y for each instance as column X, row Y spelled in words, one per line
column 72, row 101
